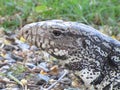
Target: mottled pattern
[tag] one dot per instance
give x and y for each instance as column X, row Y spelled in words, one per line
column 93, row 56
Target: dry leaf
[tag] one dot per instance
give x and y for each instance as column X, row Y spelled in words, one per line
column 75, row 83
column 113, row 36
column 43, row 72
column 54, row 70
column 7, row 42
column 22, row 39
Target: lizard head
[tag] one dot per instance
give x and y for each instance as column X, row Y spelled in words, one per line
column 55, row 37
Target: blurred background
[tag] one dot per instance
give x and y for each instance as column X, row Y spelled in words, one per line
column 101, row 14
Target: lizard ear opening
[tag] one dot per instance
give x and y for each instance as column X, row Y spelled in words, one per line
column 57, row 33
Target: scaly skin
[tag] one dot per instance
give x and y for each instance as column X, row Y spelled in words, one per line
column 91, row 55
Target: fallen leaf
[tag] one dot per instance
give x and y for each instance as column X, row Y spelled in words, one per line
column 43, row 72
column 22, row 39
column 24, row 81
column 7, row 42
column 54, row 70
column 113, row 36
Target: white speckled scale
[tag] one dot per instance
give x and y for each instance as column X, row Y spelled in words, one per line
column 93, row 56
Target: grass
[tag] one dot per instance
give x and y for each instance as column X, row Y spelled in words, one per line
column 15, row 13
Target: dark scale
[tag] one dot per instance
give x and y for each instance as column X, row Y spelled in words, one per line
column 91, row 55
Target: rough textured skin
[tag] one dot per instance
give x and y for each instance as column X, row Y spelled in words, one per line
column 93, row 56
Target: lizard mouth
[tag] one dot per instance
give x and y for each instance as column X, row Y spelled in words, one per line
column 59, row 54
column 59, row 57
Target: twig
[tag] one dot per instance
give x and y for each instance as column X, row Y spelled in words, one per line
column 1, row 65
column 65, row 72
column 5, row 81
column 15, row 79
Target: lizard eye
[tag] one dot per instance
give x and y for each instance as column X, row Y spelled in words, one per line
column 57, row 33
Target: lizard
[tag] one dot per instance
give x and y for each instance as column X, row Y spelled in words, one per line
column 90, row 54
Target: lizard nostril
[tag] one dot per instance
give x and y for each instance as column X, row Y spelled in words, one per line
column 57, row 33
column 26, row 32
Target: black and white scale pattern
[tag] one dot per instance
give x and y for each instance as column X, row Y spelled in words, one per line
column 91, row 55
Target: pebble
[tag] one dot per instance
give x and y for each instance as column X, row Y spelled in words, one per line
column 30, row 65
column 9, row 48
column 72, row 89
column 8, row 57
column 43, row 66
column 41, row 77
column 12, row 87
column 1, row 58
column 23, row 46
column 66, row 81
column 16, row 57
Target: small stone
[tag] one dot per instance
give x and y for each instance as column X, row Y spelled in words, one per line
column 23, row 46
column 16, row 57
column 40, row 79
column 30, row 65
column 66, row 81
column 43, row 66
column 52, row 81
column 73, row 89
column 1, row 58
column 11, row 39
column 11, row 86
column 24, row 81
column 6, row 67
column 2, row 32
column 75, row 83
column 33, row 48
column 2, row 86
column 9, row 47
